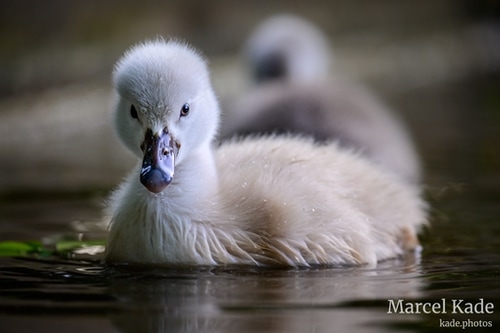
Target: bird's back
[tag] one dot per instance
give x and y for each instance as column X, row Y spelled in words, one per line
column 328, row 202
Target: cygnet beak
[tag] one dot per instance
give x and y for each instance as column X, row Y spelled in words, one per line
column 160, row 151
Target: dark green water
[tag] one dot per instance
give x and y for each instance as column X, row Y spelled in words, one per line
column 461, row 262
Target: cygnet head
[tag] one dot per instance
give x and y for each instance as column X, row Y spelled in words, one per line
column 165, row 107
column 287, row 47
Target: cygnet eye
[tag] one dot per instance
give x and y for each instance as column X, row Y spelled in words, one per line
column 185, row 110
column 133, row 112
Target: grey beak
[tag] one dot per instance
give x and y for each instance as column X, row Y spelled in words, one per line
column 160, row 151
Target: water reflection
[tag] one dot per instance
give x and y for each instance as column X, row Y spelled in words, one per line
column 230, row 299
column 251, row 300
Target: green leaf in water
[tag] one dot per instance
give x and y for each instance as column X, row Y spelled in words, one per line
column 16, row 248
column 70, row 245
column 10, row 248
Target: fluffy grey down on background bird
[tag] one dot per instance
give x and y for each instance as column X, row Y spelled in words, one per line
column 296, row 93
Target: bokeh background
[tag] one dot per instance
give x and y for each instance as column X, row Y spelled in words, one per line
column 436, row 63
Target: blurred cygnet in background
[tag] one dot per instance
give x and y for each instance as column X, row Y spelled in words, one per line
column 294, row 93
column 289, row 48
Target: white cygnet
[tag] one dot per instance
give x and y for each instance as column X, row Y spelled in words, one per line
column 267, row 201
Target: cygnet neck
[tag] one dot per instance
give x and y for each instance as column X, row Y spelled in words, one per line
column 195, row 181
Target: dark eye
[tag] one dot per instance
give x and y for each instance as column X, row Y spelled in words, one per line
column 185, row 110
column 133, row 112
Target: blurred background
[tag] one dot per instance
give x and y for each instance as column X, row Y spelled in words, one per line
column 436, row 63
